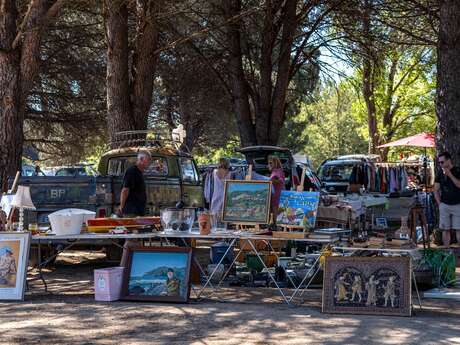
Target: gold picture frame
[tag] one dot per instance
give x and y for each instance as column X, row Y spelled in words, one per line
column 247, row 202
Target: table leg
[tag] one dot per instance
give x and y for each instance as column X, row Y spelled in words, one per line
column 47, row 261
column 40, row 272
column 217, row 266
column 306, row 276
column 197, row 262
column 416, row 289
column 284, row 269
column 268, row 271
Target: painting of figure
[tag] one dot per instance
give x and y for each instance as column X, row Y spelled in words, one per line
column 14, row 258
column 158, row 274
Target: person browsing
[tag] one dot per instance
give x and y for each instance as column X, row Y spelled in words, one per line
column 277, row 177
column 133, row 197
column 447, row 195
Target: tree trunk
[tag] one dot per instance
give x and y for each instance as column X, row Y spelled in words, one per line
column 283, row 75
column 11, row 117
column 263, row 110
column 144, row 61
column 130, row 86
column 119, row 117
column 448, row 73
column 368, row 94
column 19, row 66
column 238, row 84
column 369, row 70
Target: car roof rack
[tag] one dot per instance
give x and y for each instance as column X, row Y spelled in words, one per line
column 148, row 138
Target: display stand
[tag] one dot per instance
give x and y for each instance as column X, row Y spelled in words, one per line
column 417, row 213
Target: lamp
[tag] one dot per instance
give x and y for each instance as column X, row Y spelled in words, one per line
column 22, row 200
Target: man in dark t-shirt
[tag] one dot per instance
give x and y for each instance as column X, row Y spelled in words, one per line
column 133, row 197
column 447, row 195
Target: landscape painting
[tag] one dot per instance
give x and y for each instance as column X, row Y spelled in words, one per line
column 371, row 285
column 298, row 209
column 158, row 274
column 247, row 202
column 14, row 259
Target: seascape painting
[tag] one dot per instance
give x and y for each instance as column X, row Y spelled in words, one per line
column 247, row 202
column 160, row 274
column 298, row 209
column 373, row 285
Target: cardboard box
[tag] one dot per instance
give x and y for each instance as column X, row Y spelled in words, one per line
column 107, row 283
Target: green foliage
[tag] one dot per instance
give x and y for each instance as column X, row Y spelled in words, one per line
column 212, row 156
column 329, row 128
column 404, row 93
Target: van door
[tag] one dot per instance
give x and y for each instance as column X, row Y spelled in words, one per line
column 192, row 190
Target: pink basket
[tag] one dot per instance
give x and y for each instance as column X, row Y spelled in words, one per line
column 107, row 283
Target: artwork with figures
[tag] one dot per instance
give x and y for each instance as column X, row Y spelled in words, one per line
column 14, row 256
column 298, row 208
column 367, row 285
column 158, row 274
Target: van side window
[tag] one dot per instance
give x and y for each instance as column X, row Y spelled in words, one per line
column 118, row 166
column 189, row 173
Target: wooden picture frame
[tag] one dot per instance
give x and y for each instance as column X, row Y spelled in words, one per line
column 160, row 274
column 14, row 261
column 247, row 202
column 367, row 285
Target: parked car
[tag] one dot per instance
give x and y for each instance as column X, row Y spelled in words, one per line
column 335, row 173
column 171, row 177
column 258, row 156
column 76, row 170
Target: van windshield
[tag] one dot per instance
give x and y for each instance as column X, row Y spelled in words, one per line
column 334, row 173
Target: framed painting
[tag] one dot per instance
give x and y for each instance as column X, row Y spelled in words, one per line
column 14, row 260
column 298, row 209
column 367, row 285
column 159, row 274
column 247, row 202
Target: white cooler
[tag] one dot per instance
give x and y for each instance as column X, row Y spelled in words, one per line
column 69, row 220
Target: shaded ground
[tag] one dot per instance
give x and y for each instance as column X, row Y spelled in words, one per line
column 71, row 316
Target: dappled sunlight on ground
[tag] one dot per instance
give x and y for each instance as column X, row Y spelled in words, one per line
column 69, row 314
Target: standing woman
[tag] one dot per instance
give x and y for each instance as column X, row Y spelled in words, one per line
column 278, row 179
column 219, row 176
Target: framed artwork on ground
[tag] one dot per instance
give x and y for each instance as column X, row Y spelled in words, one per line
column 14, row 260
column 367, row 285
column 247, row 202
column 159, row 274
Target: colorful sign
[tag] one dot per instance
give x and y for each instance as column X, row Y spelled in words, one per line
column 298, row 209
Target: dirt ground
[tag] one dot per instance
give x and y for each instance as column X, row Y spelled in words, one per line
column 68, row 314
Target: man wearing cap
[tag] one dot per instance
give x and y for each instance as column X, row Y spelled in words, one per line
column 447, row 195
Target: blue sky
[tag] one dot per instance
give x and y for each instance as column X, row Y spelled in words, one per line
column 143, row 262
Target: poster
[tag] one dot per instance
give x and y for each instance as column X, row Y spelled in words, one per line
column 298, row 209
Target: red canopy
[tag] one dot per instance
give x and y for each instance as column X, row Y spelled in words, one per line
column 419, row 140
